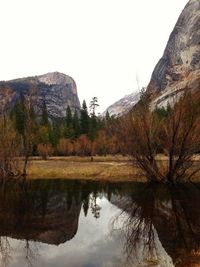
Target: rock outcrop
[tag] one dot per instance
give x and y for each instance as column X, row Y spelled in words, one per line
column 179, row 67
column 56, row 89
column 122, row 106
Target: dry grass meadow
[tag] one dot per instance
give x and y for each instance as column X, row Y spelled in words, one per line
column 101, row 168
column 110, row 168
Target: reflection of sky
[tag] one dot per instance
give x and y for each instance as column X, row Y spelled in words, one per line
column 92, row 246
column 96, row 244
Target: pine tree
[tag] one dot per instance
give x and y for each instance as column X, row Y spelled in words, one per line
column 93, row 127
column 68, row 117
column 69, row 132
column 20, row 116
column 84, row 119
column 45, row 120
column 93, row 105
column 44, row 136
column 107, row 116
column 76, row 124
column 86, row 204
column 54, row 133
column 68, row 128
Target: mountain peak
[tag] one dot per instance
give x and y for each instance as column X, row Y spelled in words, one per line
column 58, row 90
column 55, row 78
column 123, row 106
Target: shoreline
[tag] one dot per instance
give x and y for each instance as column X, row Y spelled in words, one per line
column 110, row 168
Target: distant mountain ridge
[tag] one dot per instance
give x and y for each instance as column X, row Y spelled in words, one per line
column 122, row 106
column 56, row 89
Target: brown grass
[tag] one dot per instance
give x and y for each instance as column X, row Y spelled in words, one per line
column 102, row 168
column 109, row 158
column 110, row 168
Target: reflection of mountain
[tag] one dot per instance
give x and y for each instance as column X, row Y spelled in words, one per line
column 162, row 221
column 178, row 224
column 47, row 211
column 50, row 218
column 160, row 225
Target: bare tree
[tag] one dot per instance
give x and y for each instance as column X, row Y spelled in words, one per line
column 30, row 133
column 175, row 134
column 9, row 149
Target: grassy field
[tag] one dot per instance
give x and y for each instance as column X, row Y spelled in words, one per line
column 102, row 168
column 110, row 168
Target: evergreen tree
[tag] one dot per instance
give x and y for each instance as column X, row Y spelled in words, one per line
column 54, row 134
column 45, row 120
column 45, row 131
column 44, row 136
column 20, row 116
column 93, row 127
column 93, row 105
column 86, row 203
column 107, row 116
column 84, row 119
column 69, row 132
column 68, row 129
column 68, row 117
column 32, row 113
column 76, row 124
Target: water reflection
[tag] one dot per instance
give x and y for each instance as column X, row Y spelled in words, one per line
column 47, row 212
column 162, row 226
column 107, row 224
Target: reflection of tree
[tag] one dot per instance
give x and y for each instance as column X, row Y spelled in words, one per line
column 185, row 225
column 42, row 211
column 95, row 208
column 47, row 211
column 162, row 217
column 140, row 234
column 5, row 251
column 86, row 203
column 31, row 253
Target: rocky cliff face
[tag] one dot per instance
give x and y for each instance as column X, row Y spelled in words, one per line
column 122, row 106
column 179, row 67
column 56, row 89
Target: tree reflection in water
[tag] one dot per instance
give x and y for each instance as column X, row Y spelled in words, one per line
column 161, row 222
column 42, row 211
column 31, row 253
column 5, row 251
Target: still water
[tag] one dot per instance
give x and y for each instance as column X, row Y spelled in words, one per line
column 90, row 224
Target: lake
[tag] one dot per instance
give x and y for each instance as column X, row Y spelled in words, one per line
column 98, row 224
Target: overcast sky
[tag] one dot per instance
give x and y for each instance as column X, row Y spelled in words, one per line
column 105, row 45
